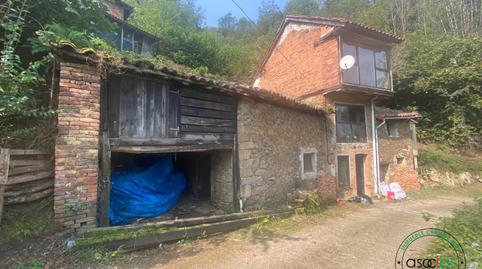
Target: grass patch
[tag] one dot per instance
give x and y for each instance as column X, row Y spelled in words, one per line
column 466, row 226
column 472, row 190
column 446, row 161
column 22, row 222
column 33, row 264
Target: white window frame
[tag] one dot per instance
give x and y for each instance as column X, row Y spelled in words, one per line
column 310, row 174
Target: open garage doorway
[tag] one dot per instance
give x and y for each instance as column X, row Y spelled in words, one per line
column 164, row 186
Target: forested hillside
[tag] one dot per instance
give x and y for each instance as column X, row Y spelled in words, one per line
column 438, row 69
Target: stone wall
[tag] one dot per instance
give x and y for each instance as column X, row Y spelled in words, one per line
column 222, row 179
column 397, row 155
column 271, row 140
column 76, row 148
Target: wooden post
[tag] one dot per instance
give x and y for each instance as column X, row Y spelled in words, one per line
column 105, row 181
column 4, row 164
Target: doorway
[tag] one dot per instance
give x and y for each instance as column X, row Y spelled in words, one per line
column 360, row 173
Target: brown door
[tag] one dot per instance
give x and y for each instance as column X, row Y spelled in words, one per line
column 360, row 173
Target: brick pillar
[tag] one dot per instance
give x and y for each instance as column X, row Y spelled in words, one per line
column 76, row 148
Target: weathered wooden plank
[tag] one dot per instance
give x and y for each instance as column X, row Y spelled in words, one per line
column 207, row 113
column 154, row 239
column 197, row 94
column 208, row 137
column 206, row 129
column 27, row 152
column 187, row 222
column 28, row 162
column 206, row 121
column 29, row 197
column 33, row 168
column 163, row 149
column 105, row 183
column 128, row 109
column 29, row 177
column 114, row 105
column 4, row 167
column 156, row 142
column 173, row 114
column 206, row 104
column 24, row 191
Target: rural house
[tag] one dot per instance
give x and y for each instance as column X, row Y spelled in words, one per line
column 238, row 147
column 127, row 37
column 343, row 67
column 226, row 146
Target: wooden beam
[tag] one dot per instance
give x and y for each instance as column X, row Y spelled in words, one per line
column 164, row 149
column 29, row 177
column 4, row 166
column 187, row 222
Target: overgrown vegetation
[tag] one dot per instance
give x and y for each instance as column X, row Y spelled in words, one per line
column 445, row 161
column 24, row 222
column 466, row 226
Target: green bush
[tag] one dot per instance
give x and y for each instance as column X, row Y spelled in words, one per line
column 466, row 227
column 448, row 162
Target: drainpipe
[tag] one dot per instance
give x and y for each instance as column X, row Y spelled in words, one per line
column 378, row 154
column 375, row 146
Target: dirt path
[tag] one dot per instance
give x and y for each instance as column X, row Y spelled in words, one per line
column 366, row 238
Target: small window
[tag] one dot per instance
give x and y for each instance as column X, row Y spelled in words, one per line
column 308, row 164
column 350, row 124
column 392, row 129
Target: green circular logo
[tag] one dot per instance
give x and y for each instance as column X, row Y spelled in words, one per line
column 408, row 257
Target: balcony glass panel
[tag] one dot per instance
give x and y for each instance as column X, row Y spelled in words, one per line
column 367, row 67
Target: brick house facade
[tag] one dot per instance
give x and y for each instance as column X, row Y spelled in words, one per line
column 305, row 62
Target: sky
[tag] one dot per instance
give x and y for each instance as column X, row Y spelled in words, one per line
column 214, row 9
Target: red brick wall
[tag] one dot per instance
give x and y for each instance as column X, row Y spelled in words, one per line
column 311, row 67
column 76, row 149
column 391, row 148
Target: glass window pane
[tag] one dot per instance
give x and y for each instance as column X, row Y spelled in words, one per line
column 127, row 42
column 359, row 133
column 343, row 133
column 381, row 60
column 367, row 67
column 382, row 79
column 342, row 114
column 350, row 75
column 308, row 159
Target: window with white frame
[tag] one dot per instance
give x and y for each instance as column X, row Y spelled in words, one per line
column 308, row 164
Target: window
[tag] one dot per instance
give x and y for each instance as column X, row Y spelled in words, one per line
column 343, row 173
column 370, row 69
column 392, row 129
column 308, row 164
column 350, row 124
column 128, row 40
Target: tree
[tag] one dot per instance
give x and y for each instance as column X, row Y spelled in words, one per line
column 270, row 16
column 226, row 24
column 303, row 7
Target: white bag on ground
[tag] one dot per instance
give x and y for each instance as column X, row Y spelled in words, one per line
column 398, row 191
column 384, row 188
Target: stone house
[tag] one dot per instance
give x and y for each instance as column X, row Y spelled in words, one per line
column 397, row 140
column 238, row 146
column 343, row 67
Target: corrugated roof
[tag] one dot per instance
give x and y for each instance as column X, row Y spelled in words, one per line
column 187, row 75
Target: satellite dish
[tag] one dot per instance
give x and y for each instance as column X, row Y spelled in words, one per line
column 347, row 62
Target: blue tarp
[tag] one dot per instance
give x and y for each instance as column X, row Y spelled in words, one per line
column 148, row 189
